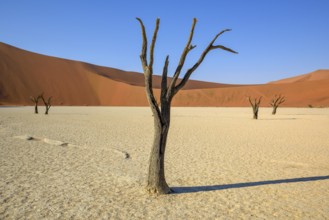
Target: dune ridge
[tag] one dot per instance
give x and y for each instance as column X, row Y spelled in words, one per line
column 320, row 74
column 24, row 73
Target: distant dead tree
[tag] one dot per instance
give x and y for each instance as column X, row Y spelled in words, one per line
column 47, row 103
column 156, row 183
column 35, row 100
column 276, row 102
column 255, row 106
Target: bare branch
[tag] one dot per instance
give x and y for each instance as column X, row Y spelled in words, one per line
column 277, row 100
column 282, row 100
column 256, row 102
column 148, row 71
column 220, row 33
column 251, row 103
column 164, row 79
column 203, row 55
column 36, row 99
column 156, row 182
column 46, row 103
column 259, row 100
column 191, row 47
column 186, row 50
column 255, row 106
column 150, row 95
column 153, row 44
column 144, row 45
column 43, row 99
column 224, row 48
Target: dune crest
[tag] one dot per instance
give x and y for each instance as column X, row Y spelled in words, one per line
column 312, row 76
column 24, row 73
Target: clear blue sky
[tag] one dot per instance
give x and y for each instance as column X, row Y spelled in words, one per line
column 275, row 38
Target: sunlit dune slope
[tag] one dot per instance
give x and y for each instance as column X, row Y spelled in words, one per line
column 24, row 73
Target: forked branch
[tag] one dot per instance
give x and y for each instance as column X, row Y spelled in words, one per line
column 255, row 106
column 210, row 47
column 153, row 44
column 143, row 55
column 186, row 50
column 255, row 102
column 156, row 182
column 172, row 89
column 46, row 103
column 35, row 100
column 148, row 69
column 164, row 79
column 276, row 102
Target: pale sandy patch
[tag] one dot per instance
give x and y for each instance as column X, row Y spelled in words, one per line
column 91, row 163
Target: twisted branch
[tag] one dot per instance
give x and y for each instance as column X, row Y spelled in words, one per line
column 186, row 50
column 148, row 69
column 277, row 100
column 203, row 55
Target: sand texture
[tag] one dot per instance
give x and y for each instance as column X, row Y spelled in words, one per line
column 91, row 163
column 24, row 74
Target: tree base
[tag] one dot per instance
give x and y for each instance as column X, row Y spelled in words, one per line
column 158, row 190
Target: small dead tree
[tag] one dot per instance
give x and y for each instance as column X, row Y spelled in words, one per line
column 46, row 103
column 276, row 102
column 35, row 100
column 156, row 182
column 255, row 106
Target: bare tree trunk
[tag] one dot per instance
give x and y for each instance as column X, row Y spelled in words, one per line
column 36, row 108
column 276, row 102
column 46, row 103
column 255, row 110
column 47, row 109
column 156, row 182
column 255, row 106
column 35, row 100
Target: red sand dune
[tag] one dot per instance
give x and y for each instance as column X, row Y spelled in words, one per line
column 24, row 73
column 313, row 76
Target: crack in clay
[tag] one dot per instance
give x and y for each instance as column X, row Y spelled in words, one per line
column 124, row 154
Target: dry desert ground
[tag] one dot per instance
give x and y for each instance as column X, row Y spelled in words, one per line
column 91, row 163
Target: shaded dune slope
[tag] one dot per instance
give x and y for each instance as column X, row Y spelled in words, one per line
column 24, row 73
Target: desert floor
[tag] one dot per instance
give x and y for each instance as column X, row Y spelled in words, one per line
column 91, row 163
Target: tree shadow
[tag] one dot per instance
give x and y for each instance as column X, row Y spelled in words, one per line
column 194, row 189
column 277, row 119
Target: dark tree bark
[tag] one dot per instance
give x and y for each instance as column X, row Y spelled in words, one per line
column 156, row 182
column 255, row 106
column 35, row 100
column 276, row 102
column 46, row 103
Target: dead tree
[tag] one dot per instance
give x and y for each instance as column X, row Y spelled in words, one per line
column 35, row 100
column 276, row 102
column 255, row 106
column 46, row 103
column 156, row 183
